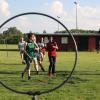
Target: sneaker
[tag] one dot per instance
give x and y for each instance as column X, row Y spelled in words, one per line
column 29, row 77
column 43, row 69
column 37, row 72
column 50, row 74
column 22, row 75
column 54, row 74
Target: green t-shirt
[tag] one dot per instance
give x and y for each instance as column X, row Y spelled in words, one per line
column 30, row 49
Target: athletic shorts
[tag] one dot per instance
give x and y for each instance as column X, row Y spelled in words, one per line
column 38, row 56
column 27, row 60
column 21, row 51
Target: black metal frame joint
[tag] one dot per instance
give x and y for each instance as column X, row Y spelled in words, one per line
column 34, row 93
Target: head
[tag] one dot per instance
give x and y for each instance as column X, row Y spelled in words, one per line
column 21, row 39
column 50, row 38
column 31, row 37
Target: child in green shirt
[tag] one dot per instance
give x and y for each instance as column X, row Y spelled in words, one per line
column 30, row 49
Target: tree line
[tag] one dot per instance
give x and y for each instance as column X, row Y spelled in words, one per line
column 80, row 31
column 10, row 36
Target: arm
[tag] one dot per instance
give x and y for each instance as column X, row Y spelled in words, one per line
column 36, row 46
column 25, row 48
column 56, row 46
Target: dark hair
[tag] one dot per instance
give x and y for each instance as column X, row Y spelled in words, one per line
column 30, row 35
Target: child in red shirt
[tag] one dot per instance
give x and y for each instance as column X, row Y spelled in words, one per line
column 51, row 48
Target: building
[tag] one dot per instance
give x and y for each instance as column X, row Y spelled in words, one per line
column 85, row 42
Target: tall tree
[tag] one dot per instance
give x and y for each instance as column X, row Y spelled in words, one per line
column 12, row 35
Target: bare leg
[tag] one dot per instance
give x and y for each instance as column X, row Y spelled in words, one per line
column 40, row 64
column 27, row 69
column 22, row 57
column 36, row 65
column 29, row 72
column 29, row 77
column 42, row 56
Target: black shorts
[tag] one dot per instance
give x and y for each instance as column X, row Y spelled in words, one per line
column 27, row 60
column 52, row 59
column 21, row 52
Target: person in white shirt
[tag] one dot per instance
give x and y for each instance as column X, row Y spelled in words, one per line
column 42, row 47
column 21, row 46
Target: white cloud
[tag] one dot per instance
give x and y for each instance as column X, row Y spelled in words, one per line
column 86, row 11
column 57, row 7
column 4, row 7
column 89, row 17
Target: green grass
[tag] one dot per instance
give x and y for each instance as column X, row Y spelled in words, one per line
column 84, row 84
column 8, row 46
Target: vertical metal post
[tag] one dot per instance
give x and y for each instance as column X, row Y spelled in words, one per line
column 76, row 15
column 34, row 98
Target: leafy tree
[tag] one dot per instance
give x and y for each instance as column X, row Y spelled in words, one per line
column 12, row 35
column 77, row 31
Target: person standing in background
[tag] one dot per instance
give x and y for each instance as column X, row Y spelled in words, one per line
column 51, row 48
column 21, row 46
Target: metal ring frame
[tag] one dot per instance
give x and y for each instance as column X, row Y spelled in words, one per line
column 73, row 67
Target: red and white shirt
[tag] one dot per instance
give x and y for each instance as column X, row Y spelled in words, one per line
column 51, row 49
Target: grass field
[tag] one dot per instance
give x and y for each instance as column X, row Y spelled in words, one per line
column 84, row 84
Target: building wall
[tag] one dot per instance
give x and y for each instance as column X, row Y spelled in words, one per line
column 91, row 43
column 98, row 42
column 84, row 43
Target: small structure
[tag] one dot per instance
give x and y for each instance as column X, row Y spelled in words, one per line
column 85, row 42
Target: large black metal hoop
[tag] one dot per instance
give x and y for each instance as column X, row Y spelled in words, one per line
column 73, row 67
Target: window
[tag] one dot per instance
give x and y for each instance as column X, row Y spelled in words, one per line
column 46, row 40
column 64, row 40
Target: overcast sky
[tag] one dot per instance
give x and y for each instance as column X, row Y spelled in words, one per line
column 88, row 14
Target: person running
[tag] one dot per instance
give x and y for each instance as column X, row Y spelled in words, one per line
column 38, row 55
column 30, row 49
column 21, row 46
column 51, row 48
